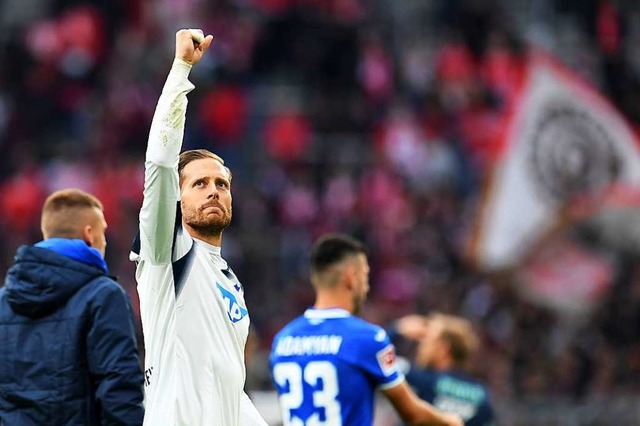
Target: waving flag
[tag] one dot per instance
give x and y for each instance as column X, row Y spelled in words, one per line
column 563, row 141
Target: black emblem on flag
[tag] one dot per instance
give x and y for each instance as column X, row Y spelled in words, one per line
column 571, row 153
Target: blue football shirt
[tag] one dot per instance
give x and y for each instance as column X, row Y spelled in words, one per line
column 326, row 366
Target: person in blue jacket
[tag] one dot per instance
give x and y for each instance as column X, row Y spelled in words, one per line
column 68, row 352
column 445, row 344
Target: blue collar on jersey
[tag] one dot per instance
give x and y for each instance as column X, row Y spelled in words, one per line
column 313, row 313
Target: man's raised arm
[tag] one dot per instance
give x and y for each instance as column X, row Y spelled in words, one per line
column 161, row 187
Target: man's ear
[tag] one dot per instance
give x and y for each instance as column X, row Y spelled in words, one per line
column 87, row 235
column 349, row 275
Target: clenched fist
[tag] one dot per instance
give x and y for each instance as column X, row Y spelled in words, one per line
column 191, row 45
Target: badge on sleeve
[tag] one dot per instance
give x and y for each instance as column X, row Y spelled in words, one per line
column 387, row 360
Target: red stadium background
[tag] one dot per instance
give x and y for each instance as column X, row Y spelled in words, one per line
column 395, row 121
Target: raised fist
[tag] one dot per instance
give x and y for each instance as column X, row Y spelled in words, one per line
column 191, row 45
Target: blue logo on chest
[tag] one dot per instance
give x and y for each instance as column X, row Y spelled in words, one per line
column 235, row 312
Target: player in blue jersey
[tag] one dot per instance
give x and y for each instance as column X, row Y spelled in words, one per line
column 327, row 364
column 445, row 345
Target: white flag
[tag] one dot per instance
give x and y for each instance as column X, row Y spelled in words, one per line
column 564, row 140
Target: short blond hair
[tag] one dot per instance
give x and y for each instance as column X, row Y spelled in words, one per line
column 64, row 213
column 459, row 334
column 197, row 154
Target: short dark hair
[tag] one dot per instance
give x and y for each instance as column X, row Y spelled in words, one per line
column 198, row 154
column 333, row 248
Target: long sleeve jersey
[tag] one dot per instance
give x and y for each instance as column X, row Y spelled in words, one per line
column 194, row 317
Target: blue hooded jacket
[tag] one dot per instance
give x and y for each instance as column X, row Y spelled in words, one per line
column 68, row 353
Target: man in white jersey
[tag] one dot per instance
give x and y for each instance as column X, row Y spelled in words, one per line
column 194, row 316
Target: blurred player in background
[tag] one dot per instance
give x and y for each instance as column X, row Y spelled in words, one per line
column 194, row 317
column 68, row 352
column 445, row 345
column 327, row 363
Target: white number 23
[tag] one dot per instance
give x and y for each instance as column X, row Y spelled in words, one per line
column 325, row 398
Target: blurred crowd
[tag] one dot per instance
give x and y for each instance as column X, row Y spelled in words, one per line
column 379, row 118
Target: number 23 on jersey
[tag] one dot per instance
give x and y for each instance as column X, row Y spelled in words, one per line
column 322, row 378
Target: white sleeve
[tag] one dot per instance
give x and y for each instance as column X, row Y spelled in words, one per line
column 249, row 415
column 161, row 188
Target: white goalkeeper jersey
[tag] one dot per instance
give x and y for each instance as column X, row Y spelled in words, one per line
column 194, row 317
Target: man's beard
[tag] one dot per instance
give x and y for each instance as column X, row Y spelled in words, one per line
column 207, row 225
